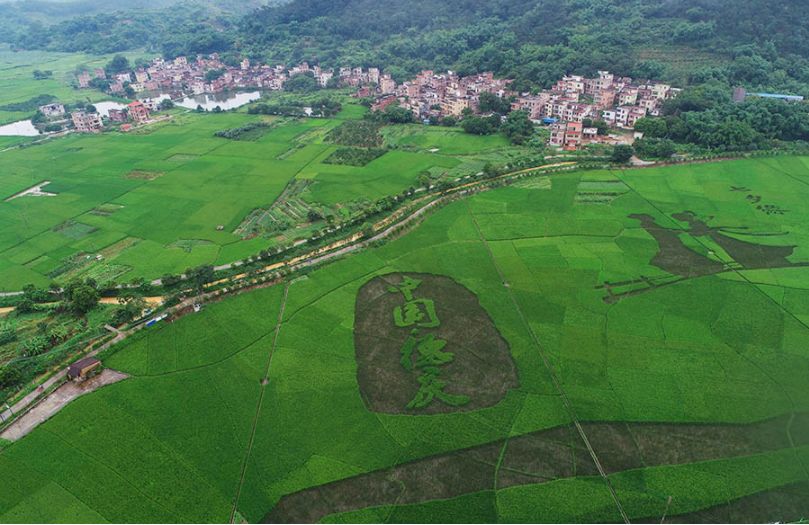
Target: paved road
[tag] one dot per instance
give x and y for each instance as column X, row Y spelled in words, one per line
column 56, row 401
column 25, row 403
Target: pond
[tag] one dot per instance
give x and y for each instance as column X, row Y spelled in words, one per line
column 104, row 108
column 225, row 101
column 22, row 128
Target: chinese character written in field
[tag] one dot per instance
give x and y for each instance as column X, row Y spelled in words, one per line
column 429, row 350
column 431, row 387
column 424, row 353
column 415, row 312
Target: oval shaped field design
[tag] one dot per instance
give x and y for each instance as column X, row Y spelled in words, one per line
column 424, row 345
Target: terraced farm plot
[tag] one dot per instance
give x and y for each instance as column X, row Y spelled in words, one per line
column 687, row 402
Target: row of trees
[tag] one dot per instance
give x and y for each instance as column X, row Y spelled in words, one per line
column 323, row 107
column 498, row 117
column 77, row 297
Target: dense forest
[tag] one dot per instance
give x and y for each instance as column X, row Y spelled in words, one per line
column 755, row 43
column 170, row 27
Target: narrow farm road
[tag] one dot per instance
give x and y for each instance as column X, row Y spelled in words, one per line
column 264, row 382
column 550, row 368
column 27, row 402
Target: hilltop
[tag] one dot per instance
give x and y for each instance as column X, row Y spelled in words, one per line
column 756, row 44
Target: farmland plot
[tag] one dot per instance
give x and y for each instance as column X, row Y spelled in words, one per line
column 686, row 398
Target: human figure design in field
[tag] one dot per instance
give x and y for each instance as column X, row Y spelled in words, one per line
column 676, row 258
column 423, row 353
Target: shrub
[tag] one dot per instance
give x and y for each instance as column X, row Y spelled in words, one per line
column 354, row 156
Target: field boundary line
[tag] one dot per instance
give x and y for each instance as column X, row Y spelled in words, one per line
column 212, row 363
column 757, row 288
column 551, row 372
column 104, row 465
column 778, row 169
column 264, row 382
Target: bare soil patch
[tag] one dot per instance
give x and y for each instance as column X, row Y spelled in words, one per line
column 34, row 191
column 144, row 175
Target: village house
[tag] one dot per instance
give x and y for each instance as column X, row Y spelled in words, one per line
column 152, row 104
column 141, row 76
column 118, row 115
column 387, row 85
column 87, row 122
column 138, row 112
column 83, row 369
column 52, row 110
column 609, row 116
column 84, row 79
column 573, row 136
column 557, row 134
column 628, row 96
column 534, row 105
column 604, row 98
column 603, row 82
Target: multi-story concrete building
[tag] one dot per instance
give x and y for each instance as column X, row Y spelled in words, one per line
column 138, row 112
column 87, row 122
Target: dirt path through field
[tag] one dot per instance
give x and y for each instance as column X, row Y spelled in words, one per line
column 56, row 401
column 264, row 382
column 557, row 384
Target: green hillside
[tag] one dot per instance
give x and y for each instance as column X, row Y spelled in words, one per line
column 756, row 43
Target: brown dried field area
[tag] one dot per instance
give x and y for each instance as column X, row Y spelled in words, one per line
column 547, row 455
column 482, row 367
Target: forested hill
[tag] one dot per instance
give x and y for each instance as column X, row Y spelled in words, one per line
column 106, row 26
column 755, row 43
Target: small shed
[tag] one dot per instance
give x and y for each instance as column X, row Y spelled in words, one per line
column 82, row 369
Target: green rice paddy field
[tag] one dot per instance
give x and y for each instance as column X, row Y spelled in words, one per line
column 170, row 197
column 17, row 83
column 668, row 348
